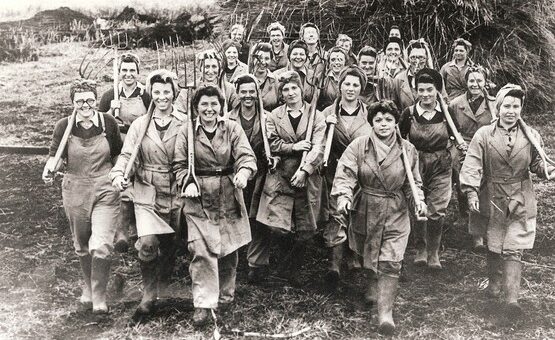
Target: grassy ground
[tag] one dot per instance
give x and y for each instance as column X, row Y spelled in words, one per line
column 39, row 275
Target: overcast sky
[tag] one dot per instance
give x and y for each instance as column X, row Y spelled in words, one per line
column 22, row 9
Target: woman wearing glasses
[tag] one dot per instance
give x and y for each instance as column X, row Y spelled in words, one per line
column 91, row 204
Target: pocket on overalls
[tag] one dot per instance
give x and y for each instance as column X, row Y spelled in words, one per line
column 74, row 192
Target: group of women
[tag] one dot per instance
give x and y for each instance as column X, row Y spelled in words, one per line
column 291, row 142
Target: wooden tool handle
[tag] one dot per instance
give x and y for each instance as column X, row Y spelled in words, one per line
column 137, row 145
column 65, row 137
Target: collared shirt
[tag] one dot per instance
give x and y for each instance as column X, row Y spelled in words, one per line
column 93, row 119
column 163, row 120
column 343, row 112
column 295, row 120
column 474, row 103
column 509, row 136
column 198, row 125
column 427, row 114
column 137, row 91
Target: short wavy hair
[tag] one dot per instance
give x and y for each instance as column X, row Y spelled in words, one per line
column 209, row 91
column 162, row 76
column 82, row 85
column 383, row 106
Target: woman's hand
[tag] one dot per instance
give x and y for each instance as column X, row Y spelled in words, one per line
column 303, row 145
column 299, row 179
column 50, row 169
column 474, row 205
column 115, row 104
column 344, row 206
column 551, row 174
column 421, row 209
column 331, row 119
column 240, row 180
column 120, row 183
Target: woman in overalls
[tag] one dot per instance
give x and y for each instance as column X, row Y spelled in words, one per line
column 424, row 125
column 156, row 199
column 495, row 176
column 132, row 103
column 217, row 221
column 372, row 188
column 91, row 204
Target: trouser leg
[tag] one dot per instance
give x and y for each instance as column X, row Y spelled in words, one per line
column 227, row 272
column 258, row 253
column 204, row 275
column 148, row 249
column 370, row 296
column 435, row 230
column 388, row 278
column 126, row 217
column 420, row 237
column 335, row 259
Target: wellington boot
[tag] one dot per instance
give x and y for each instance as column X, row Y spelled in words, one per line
column 334, row 267
column 370, row 296
column 121, row 239
column 435, row 229
column 100, row 274
column 257, row 274
column 495, row 274
column 297, row 260
column 86, row 295
column 201, row 317
column 149, row 272
column 512, row 271
column 420, row 235
column 166, row 263
column 387, row 291
column 478, row 244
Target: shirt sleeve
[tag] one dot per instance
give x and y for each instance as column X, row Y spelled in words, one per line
column 404, row 123
column 146, row 99
column 113, row 135
column 59, row 130
column 104, row 105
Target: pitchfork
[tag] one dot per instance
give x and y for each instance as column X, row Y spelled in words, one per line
column 191, row 186
column 90, row 64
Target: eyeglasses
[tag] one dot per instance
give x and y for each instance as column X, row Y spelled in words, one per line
column 81, row 102
column 417, row 57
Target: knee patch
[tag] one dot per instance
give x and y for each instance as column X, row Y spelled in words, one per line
column 102, row 252
column 389, row 268
column 148, row 247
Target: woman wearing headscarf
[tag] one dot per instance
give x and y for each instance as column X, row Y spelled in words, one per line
column 330, row 91
column 346, row 43
column 276, row 32
column 91, row 204
column 495, row 176
column 424, row 125
column 454, row 71
column 216, row 215
column 267, row 80
column 297, row 56
column 471, row 111
column 371, row 186
column 155, row 189
column 291, row 198
column 233, row 67
column 349, row 116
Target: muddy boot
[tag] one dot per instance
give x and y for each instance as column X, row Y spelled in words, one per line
column 201, row 317
column 495, row 274
column 166, row 263
column 435, row 229
column 511, row 285
column 86, row 295
column 420, row 233
column 478, row 244
column 121, row 239
column 387, row 291
column 371, row 293
column 100, row 274
column 334, row 268
column 149, row 273
column 297, row 260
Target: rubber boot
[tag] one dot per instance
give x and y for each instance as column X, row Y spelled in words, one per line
column 420, row 233
column 100, row 274
column 149, row 273
column 334, row 269
column 495, row 274
column 201, row 317
column 511, row 285
column 387, row 291
column 297, row 260
column 435, row 229
column 370, row 296
column 166, row 263
column 121, row 239
column 86, row 295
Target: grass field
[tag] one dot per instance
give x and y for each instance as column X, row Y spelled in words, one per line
column 40, row 275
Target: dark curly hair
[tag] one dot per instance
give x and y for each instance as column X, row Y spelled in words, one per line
column 209, row 91
column 383, row 106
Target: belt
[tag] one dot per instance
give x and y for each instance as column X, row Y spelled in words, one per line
column 225, row 171
column 157, row 167
column 507, row 180
column 380, row 193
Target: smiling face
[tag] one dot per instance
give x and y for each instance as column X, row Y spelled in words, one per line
column 367, row 64
column 395, row 33
column 345, row 44
column 211, row 69
column 383, row 125
column 162, row 95
column 475, row 83
column 237, row 34
column 247, row 94
column 337, row 62
column 297, row 57
column 427, row 93
column 208, row 109
column 460, row 53
column 292, row 94
column 231, row 55
column 350, row 88
column 417, row 59
column 509, row 111
column 263, row 60
column 85, row 103
column 310, row 35
column 128, row 73
column 392, row 51
column 276, row 38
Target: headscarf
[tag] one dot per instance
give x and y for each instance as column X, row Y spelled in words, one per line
column 276, row 26
column 166, row 76
column 462, row 42
column 297, row 44
column 289, row 77
column 354, row 71
column 432, row 75
column 504, row 91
